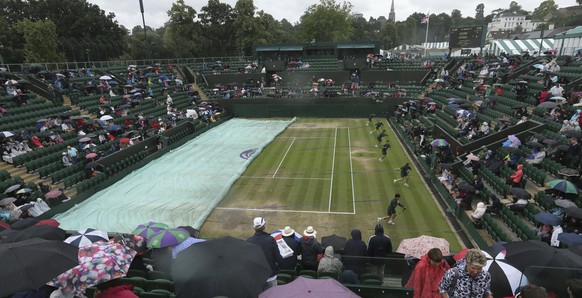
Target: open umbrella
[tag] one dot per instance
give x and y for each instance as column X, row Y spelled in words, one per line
column 6, row 134
column 562, row 147
column 169, row 237
column 147, row 230
column 570, row 239
column 562, row 185
column 439, row 143
column 221, row 267
column 87, row 237
column 106, row 78
column 567, row 172
column 309, row 288
column 575, row 212
column 91, row 155
column 466, row 187
column 419, row 246
column 124, row 140
column 24, row 190
column 53, row 194
column 514, row 139
column 28, row 265
column 178, row 248
column 22, row 224
column 520, row 193
column 13, row 188
column 473, row 157
column 572, row 133
column 337, row 242
column 106, row 117
column 523, row 254
column 564, row 203
column 548, row 219
column 7, row 201
column 43, row 231
column 97, row 263
column 557, row 98
column 550, row 142
column 85, row 139
column 547, row 105
column 534, row 144
column 114, row 128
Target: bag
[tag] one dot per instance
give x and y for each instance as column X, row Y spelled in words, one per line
column 454, row 283
column 320, row 256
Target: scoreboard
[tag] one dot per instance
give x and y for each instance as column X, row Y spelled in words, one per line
column 466, row 37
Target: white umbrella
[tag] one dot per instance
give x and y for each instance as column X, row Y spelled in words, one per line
column 11, row 82
column 505, row 279
column 60, row 75
column 87, row 237
column 106, row 78
column 105, row 118
column 472, row 156
column 6, row 134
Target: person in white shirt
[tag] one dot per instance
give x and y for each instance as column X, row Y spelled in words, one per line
column 557, row 90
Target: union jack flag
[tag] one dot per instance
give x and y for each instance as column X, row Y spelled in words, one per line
column 424, row 20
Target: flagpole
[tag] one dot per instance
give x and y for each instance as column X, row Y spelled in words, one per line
column 426, row 37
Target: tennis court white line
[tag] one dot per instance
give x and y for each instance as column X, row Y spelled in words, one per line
column 332, row 167
column 352, row 172
column 302, row 138
column 277, row 170
column 284, row 211
column 282, row 178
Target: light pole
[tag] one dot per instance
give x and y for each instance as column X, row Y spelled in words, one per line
column 145, row 34
column 1, row 58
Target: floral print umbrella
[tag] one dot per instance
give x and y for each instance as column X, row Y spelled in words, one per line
column 98, row 263
column 419, row 246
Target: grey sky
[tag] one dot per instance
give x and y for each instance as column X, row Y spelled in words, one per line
column 128, row 14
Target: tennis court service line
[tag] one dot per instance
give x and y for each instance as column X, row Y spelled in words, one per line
column 332, row 168
column 283, row 159
column 283, row 178
column 284, row 211
column 352, row 172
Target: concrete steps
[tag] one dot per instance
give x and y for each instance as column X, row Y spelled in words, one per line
column 203, row 95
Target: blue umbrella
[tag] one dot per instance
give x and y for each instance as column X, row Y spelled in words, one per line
column 548, row 219
column 570, row 239
column 114, row 128
column 538, row 66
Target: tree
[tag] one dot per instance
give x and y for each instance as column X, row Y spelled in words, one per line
column 456, row 18
column 245, row 26
column 361, row 28
column 388, row 36
column 546, row 9
column 40, row 41
column 182, row 33
column 518, row 29
column 516, row 8
column 217, row 22
column 326, row 21
column 480, row 11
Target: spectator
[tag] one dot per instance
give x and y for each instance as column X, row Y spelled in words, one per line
column 574, row 286
column 427, row 275
column 379, row 246
column 269, row 247
column 310, row 248
column 72, row 152
column 532, row 291
column 519, row 205
column 65, row 160
column 536, row 157
column 468, row 279
column 355, row 253
column 290, row 263
column 330, row 263
column 515, row 179
column 114, row 289
column 478, row 214
column 496, row 205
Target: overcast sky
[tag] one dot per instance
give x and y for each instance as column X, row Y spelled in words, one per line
column 128, row 14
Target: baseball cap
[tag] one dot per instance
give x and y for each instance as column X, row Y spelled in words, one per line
column 258, row 222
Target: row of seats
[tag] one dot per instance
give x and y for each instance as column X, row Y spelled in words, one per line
column 517, row 225
column 494, row 229
column 287, row 276
column 29, row 119
column 120, row 165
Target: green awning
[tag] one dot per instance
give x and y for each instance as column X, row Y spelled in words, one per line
column 267, row 49
column 290, row 48
column 356, row 46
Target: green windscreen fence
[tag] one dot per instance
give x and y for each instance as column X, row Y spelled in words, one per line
column 181, row 187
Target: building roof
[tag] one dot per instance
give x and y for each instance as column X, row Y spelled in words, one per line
column 518, row 47
column 550, row 33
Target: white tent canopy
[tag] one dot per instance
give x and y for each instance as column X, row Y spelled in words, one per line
column 518, row 47
column 568, row 42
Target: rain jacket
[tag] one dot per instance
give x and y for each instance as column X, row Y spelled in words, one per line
column 270, row 249
column 123, row 291
column 310, row 248
column 425, row 279
column 289, row 263
column 355, row 253
column 516, row 177
column 479, row 211
column 330, row 263
column 379, row 246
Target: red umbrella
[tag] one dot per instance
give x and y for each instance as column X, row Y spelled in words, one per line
column 53, row 194
column 124, row 140
column 48, row 222
column 91, row 155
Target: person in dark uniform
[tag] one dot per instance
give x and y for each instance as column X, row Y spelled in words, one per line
column 380, row 136
column 391, row 212
column 370, row 119
column 378, row 125
column 385, row 148
column 404, row 172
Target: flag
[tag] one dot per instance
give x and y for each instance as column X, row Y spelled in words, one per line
column 424, row 19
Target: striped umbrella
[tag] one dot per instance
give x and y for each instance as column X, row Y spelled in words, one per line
column 170, row 237
column 147, row 230
column 562, row 185
column 87, row 237
column 439, row 143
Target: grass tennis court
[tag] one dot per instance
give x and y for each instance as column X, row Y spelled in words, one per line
column 326, row 173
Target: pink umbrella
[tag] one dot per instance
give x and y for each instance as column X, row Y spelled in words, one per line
column 514, row 139
column 307, row 287
column 473, row 157
column 419, row 246
column 91, row 155
column 53, row 194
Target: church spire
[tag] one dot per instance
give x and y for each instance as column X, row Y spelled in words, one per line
column 392, row 15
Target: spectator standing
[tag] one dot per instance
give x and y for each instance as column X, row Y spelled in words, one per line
column 467, row 279
column 72, row 152
column 379, row 246
column 427, row 275
column 290, row 263
column 355, row 253
column 269, row 247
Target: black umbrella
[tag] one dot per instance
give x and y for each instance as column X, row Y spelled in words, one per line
column 568, row 172
column 534, row 144
column 550, row 142
column 337, row 242
column 466, row 187
column 30, row 264
column 573, row 133
column 548, row 219
column 12, row 188
column 43, row 231
column 512, row 150
column 221, row 267
column 575, row 212
column 520, row 193
column 538, row 136
column 562, row 147
column 570, row 239
column 22, row 224
column 547, row 105
column 523, row 254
